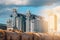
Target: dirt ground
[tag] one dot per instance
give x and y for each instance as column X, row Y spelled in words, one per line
column 19, row 35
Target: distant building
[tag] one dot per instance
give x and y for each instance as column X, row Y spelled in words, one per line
column 9, row 24
column 52, row 25
column 27, row 22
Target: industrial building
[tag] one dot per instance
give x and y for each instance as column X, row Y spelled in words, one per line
column 27, row 22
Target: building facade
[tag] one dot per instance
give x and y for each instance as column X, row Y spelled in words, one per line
column 27, row 22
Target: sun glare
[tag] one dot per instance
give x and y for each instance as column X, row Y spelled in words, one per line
column 53, row 18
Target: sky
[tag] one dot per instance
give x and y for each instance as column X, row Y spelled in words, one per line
column 38, row 7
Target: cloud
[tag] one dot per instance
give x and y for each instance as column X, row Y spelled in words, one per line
column 48, row 10
column 15, row 2
column 41, row 2
column 29, row 2
column 52, row 10
column 7, row 11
